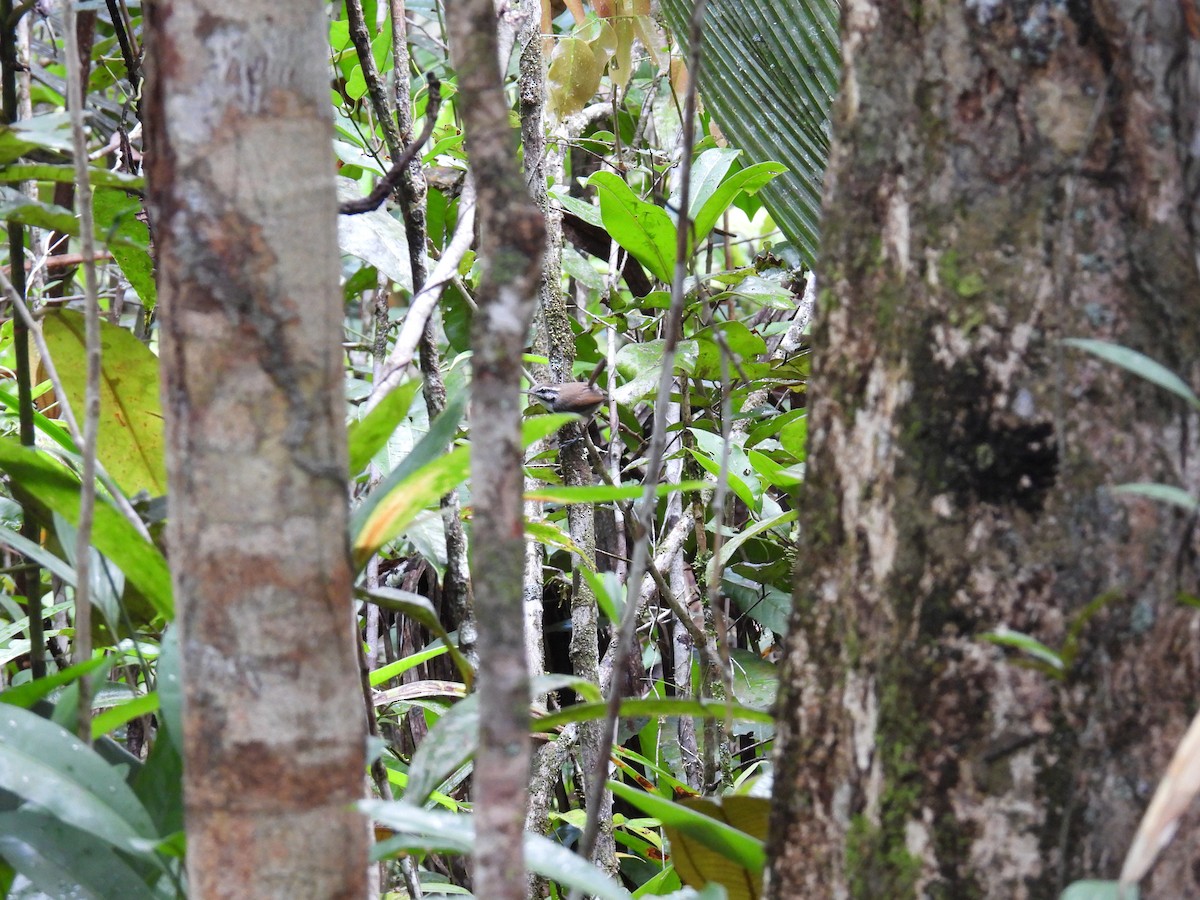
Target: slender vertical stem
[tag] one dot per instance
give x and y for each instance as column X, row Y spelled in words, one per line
column 644, row 513
column 30, row 578
column 91, row 406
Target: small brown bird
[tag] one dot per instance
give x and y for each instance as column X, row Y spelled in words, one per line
column 577, row 397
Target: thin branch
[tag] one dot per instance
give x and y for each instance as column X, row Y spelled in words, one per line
column 360, row 36
column 91, row 405
column 132, row 69
column 645, row 511
column 389, row 182
column 29, row 581
column 426, row 299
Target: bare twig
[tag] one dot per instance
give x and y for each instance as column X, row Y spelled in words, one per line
column 426, row 299
column 360, row 36
column 389, row 182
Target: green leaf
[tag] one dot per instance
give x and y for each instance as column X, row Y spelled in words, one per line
column 709, row 169
column 38, row 554
column 1139, row 364
column 1026, row 644
column 46, row 426
column 46, row 132
column 552, row 536
column 755, row 680
column 420, row 610
column 400, row 666
column 603, row 493
column 16, row 207
column 368, row 435
column 1100, row 890
column 730, row 842
column 641, row 364
column 642, row 228
column 130, row 440
column 748, row 181
column 170, row 687
column 114, row 536
column 65, row 174
column 29, row 693
column 62, row 861
column 421, row 478
column 128, row 239
column 1164, row 493
column 449, row 744
column 701, row 858
column 112, row 719
column 773, row 472
column 429, row 830
column 376, row 237
column 733, row 544
column 574, row 75
column 49, row 767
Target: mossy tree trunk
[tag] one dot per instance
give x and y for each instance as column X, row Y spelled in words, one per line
column 1003, row 176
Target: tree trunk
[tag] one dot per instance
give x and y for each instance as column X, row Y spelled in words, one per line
column 1003, row 176
column 512, row 240
column 242, row 192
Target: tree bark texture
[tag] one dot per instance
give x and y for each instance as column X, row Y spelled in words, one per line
column 512, row 237
column 1003, row 176
column 242, row 190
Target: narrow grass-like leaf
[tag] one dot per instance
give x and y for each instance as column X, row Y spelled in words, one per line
column 419, row 609
column 112, row 719
column 1137, row 363
column 604, row 493
column 1164, row 493
column 1026, row 644
column 661, row 706
column 400, row 666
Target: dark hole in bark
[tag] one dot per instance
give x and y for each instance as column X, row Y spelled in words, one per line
column 982, row 455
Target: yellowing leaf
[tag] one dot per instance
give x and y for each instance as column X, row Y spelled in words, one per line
column 130, row 440
column 698, row 863
column 574, row 77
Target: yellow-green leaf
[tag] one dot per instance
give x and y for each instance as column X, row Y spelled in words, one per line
column 130, row 440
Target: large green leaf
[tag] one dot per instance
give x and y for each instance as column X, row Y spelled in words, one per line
column 130, row 440
column 17, row 208
column 56, row 489
column 768, row 74
column 422, row 829
column 48, row 766
column 63, row 861
column 642, row 228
